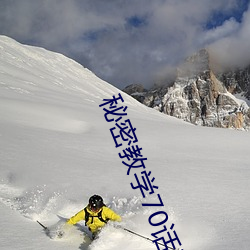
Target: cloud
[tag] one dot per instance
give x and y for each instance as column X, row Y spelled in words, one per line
column 125, row 42
column 233, row 49
column 228, row 28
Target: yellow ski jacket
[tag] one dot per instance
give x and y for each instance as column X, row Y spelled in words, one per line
column 94, row 223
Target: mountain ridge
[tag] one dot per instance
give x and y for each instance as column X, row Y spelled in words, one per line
column 201, row 95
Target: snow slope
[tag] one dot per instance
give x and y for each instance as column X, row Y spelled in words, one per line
column 56, row 150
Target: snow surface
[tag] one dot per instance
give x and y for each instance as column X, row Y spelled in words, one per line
column 57, row 150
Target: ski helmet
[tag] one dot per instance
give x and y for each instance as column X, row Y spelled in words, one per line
column 95, row 202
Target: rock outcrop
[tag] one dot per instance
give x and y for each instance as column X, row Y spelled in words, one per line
column 199, row 96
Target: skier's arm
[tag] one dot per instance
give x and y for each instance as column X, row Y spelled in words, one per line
column 77, row 217
column 110, row 214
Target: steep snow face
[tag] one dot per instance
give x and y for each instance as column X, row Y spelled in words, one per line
column 57, row 150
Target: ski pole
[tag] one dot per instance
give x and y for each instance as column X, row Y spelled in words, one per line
column 146, row 238
column 45, row 228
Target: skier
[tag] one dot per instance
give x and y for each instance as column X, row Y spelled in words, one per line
column 95, row 214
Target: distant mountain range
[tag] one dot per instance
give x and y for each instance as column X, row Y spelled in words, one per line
column 202, row 94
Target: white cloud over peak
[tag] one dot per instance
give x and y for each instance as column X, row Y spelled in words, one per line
column 233, row 49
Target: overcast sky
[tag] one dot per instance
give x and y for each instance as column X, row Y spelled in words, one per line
column 131, row 41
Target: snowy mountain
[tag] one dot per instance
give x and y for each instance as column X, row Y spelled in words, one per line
column 201, row 95
column 237, row 81
column 57, row 150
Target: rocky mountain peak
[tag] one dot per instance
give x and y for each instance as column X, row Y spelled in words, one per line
column 200, row 96
column 196, row 64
